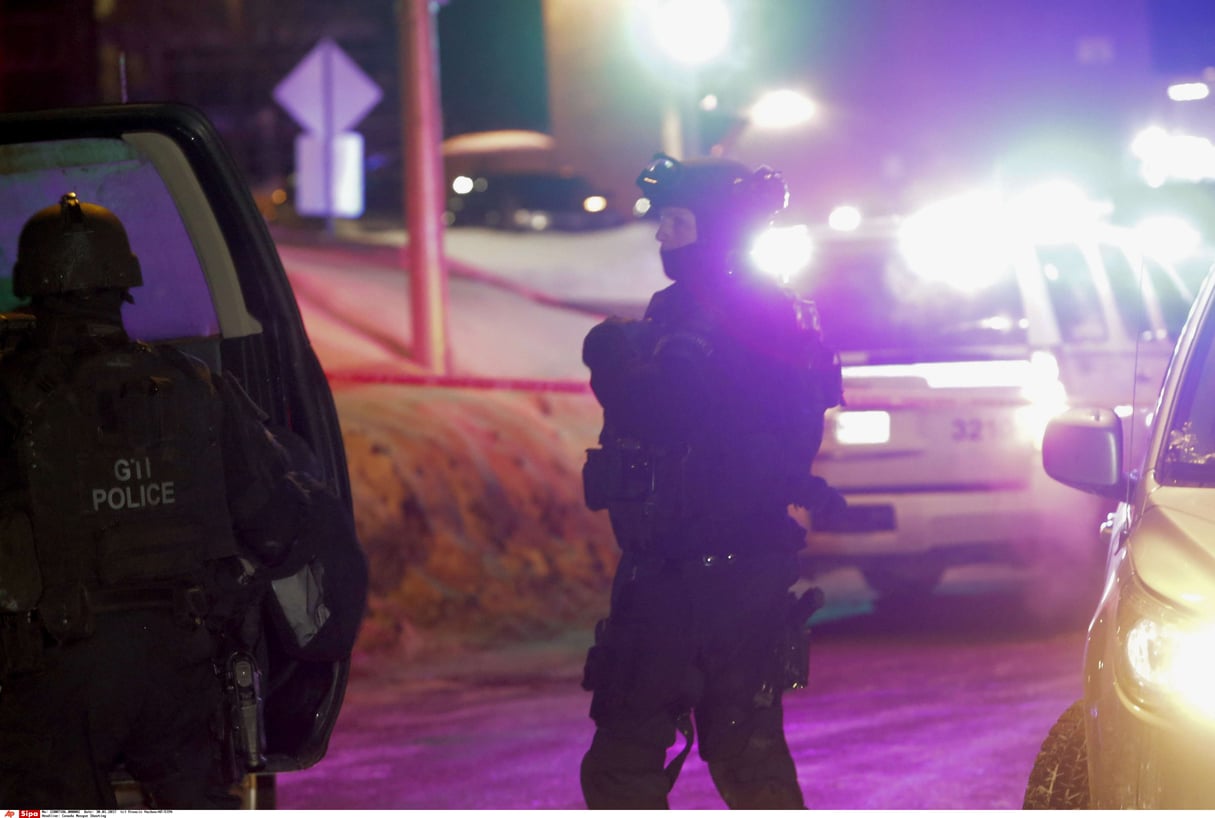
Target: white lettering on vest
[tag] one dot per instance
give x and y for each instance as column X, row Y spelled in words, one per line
column 139, row 489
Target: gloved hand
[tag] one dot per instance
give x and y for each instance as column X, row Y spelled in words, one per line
column 819, row 498
column 615, row 343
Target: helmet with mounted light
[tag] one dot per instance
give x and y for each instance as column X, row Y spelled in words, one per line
column 731, row 204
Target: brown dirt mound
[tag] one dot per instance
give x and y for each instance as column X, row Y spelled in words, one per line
column 469, row 507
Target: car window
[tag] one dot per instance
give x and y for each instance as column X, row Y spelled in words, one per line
column 175, row 301
column 871, row 301
column 1073, row 294
column 1188, row 457
column 1126, row 283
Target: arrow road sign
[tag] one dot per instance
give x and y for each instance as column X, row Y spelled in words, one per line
column 327, row 92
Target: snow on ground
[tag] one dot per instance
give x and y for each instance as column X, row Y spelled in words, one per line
column 619, row 265
column 468, row 501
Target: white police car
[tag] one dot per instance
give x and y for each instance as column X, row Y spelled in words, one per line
column 213, row 285
column 1141, row 734
column 962, row 329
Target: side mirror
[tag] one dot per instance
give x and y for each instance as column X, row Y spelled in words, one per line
column 1082, row 448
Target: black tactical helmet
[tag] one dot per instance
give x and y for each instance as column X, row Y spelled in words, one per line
column 728, row 199
column 73, row 246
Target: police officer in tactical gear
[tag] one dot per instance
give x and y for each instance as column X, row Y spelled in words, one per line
column 137, row 489
column 713, row 412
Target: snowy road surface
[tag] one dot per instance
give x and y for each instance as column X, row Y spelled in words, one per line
column 943, row 708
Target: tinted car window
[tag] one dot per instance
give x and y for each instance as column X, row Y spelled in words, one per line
column 1072, row 293
column 174, row 301
column 871, row 301
column 1189, row 451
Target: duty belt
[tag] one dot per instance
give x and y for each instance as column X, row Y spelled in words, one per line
column 656, row 562
column 17, row 619
column 189, row 604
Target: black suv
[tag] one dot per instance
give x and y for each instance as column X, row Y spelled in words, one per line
column 529, row 201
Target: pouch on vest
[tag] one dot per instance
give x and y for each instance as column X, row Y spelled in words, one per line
column 20, row 577
column 616, row 472
column 21, row 646
column 20, row 590
column 66, row 613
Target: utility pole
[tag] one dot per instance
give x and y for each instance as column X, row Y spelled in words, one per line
column 423, row 195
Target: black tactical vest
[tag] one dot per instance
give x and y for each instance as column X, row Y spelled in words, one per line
column 723, row 405
column 120, row 454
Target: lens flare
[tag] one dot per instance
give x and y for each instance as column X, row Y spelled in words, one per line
column 783, row 252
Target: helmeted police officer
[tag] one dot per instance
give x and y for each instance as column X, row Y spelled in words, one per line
column 135, row 490
column 713, row 411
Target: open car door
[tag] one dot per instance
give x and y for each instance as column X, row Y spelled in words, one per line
column 215, row 287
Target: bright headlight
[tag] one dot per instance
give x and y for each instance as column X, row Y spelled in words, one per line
column 1046, row 395
column 1168, row 660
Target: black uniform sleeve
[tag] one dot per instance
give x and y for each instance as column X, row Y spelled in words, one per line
column 267, row 499
column 618, row 353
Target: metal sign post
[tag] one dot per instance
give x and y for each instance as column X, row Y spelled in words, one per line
column 424, row 187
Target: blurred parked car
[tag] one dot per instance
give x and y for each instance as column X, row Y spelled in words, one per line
column 529, row 201
column 1141, row 735
column 958, row 342
column 213, row 286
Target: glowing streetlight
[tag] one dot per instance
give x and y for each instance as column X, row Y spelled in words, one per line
column 776, row 110
column 785, row 108
column 1168, row 156
column 689, row 34
column 1189, row 91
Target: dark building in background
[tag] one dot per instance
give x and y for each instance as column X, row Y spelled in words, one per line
column 222, row 56
column 48, row 53
column 226, row 56
column 492, row 71
column 913, row 91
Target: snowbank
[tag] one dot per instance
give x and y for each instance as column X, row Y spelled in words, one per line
column 468, row 502
column 469, row 507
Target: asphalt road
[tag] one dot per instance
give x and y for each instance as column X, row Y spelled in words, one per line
column 939, row 706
